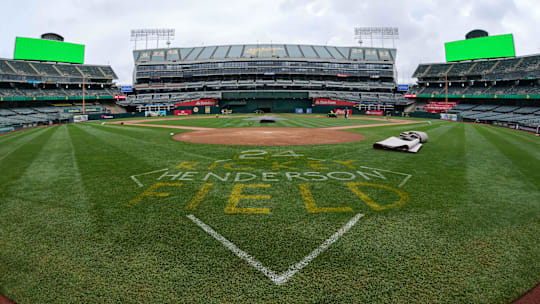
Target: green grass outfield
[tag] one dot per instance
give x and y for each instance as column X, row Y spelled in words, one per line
column 458, row 222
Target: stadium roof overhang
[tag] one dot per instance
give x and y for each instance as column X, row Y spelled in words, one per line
column 265, row 52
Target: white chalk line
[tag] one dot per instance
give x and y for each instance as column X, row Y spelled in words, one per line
column 138, row 182
column 407, row 176
column 278, row 279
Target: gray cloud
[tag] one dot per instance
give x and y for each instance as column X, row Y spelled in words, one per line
column 104, row 26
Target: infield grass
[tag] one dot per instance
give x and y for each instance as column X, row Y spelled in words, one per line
column 73, row 229
column 287, row 121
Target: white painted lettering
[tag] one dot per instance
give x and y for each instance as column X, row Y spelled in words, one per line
column 223, row 179
column 333, row 175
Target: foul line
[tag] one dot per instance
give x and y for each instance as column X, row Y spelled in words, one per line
column 278, row 279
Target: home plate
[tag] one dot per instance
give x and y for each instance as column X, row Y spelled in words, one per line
column 267, row 132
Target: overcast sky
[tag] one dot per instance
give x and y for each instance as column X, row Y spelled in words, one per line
column 104, row 26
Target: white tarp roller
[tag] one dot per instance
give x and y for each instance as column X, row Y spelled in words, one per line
column 410, row 141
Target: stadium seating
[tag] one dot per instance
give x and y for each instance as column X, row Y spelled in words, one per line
column 438, row 69
column 524, row 116
column 91, row 71
column 68, row 70
column 4, row 68
column 46, row 69
column 506, row 65
column 460, row 69
column 482, row 67
column 528, row 63
column 108, row 72
column 420, row 70
column 23, row 68
column 10, row 92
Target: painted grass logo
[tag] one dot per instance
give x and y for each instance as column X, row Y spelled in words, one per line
column 265, row 170
column 260, row 170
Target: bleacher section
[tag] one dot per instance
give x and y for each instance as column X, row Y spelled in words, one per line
column 513, row 78
column 30, row 90
column 483, row 68
column 46, row 69
column 29, row 117
column 278, row 73
column 69, row 70
column 23, row 68
column 91, row 71
column 528, row 117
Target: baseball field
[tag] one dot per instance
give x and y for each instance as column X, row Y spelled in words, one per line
column 109, row 213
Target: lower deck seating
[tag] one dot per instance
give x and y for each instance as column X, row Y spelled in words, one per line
column 524, row 116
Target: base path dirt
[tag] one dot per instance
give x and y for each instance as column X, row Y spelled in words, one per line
column 531, row 297
column 4, row 300
column 272, row 136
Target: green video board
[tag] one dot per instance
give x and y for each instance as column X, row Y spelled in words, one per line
column 48, row 50
column 480, row 48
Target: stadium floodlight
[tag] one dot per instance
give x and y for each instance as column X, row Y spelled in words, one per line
column 377, row 33
column 152, row 34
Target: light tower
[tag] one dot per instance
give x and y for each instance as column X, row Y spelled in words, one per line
column 152, row 34
column 376, row 33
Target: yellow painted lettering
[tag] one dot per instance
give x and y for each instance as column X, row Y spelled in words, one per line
column 278, row 165
column 403, row 196
column 236, row 196
column 229, row 166
column 345, row 163
column 213, row 165
column 190, row 165
column 312, row 207
column 150, row 192
column 316, row 164
column 199, row 197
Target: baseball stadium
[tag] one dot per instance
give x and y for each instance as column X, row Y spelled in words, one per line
column 270, row 173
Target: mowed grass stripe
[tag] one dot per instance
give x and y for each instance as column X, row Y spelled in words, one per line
column 162, row 152
column 99, row 151
column 521, row 159
column 9, row 145
column 531, row 138
column 14, row 163
column 522, row 142
column 489, row 222
column 13, row 135
column 442, row 167
column 52, row 177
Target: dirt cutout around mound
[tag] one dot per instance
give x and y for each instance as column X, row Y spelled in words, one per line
column 271, row 136
column 267, row 136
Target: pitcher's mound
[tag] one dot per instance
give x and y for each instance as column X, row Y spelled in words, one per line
column 269, row 136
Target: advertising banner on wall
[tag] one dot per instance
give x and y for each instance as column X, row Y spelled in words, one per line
column 155, row 113
column 299, row 110
column 445, row 116
column 332, row 102
column 374, row 112
column 197, row 103
column 80, row 118
column 403, row 87
column 182, row 112
column 342, row 111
